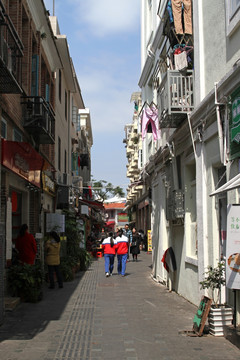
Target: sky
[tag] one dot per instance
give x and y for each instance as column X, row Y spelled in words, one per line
column 104, row 43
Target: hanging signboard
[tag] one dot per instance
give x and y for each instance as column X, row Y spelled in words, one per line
column 233, row 247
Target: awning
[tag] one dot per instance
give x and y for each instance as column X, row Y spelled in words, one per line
column 232, row 184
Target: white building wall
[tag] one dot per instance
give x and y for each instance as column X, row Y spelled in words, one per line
column 196, row 242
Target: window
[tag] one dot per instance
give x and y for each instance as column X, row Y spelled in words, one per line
column 232, row 15
column 17, row 136
column 60, row 86
column 235, row 5
column 59, row 154
column 66, row 104
column 190, row 211
column 3, row 129
column 34, row 83
column 65, row 161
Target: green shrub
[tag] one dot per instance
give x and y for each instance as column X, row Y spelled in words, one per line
column 26, row 281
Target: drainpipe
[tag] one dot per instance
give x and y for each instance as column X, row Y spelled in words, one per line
column 191, row 132
column 220, row 130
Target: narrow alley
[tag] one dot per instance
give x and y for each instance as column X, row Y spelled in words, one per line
column 121, row 318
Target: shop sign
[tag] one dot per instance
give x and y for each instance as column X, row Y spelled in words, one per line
column 122, row 217
column 234, row 124
column 23, row 160
column 233, row 247
column 149, row 241
column 48, row 184
column 235, row 131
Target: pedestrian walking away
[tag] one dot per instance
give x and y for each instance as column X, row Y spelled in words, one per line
column 26, row 246
column 52, row 248
column 122, row 252
column 109, row 250
column 135, row 244
column 128, row 232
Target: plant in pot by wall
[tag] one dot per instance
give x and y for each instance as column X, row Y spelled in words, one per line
column 26, row 281
column 220, row 315
column 79, row 257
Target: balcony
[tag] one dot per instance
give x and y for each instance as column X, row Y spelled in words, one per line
column 39, row 119
column 175, row 97
column 11, row 52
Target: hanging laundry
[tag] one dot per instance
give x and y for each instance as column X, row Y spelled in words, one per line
column 182, row 27
column 170, row 12
column 168, row 260
column 150, row 117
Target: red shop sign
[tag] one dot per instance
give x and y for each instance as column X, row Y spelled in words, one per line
column 23, row 160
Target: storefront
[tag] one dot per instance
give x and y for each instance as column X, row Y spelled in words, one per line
column 21, row 190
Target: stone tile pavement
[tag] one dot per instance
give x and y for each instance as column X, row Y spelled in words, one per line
column 99, row 318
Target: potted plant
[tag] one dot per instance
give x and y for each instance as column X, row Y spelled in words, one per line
column 25, row 281
column 220, row 315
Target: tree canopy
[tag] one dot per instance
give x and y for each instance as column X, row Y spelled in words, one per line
column 103, row 189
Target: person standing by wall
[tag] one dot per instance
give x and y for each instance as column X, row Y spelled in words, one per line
column 52, row 248
column 122, row 252
column 135, row 245
column 109, row 249
column 127, row 232
column 26, row 246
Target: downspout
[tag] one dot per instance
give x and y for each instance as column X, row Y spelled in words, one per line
column 191, row 132
column 220, row 130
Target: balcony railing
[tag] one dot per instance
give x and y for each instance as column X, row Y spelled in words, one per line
column 39, row 119
column 11, row 52
column 175, row 97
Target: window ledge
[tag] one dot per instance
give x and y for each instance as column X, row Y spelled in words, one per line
column 191, row 260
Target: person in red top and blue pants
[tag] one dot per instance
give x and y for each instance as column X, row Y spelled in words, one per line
column 109, row 249
column 122, row 252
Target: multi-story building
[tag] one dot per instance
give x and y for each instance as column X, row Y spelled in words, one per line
column 115, row 214
column 194, row 89
column 138, row 196
column 29, row 58
column 41, row 126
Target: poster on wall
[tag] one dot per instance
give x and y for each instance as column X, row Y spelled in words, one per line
column 233, row 247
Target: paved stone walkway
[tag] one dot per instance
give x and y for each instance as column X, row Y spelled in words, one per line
column 99, row 318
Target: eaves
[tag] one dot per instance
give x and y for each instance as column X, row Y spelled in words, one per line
column 156, row 43
column 146, row 71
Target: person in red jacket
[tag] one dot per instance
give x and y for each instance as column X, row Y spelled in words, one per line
column 109, row 249
column 122, row 252
column 26, row 246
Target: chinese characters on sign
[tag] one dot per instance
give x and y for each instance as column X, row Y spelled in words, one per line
column 233, row 247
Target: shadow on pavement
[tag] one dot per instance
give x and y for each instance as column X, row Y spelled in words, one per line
column 30, row 319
